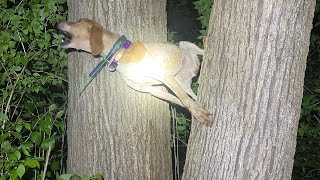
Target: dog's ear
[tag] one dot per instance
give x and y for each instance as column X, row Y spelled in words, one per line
column 96, row 42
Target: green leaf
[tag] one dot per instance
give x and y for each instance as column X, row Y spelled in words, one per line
column 36, row 74
column 16, row 68
column 3, row 117
column 25, row 152
column 41, row 43
column 21, row 170
column 86, row 178
column 27, row 126
column 27, row 145
column 47, row 36
column 60, row 125
column 182, row 120
column 16, row 135
column 60, row 114
column 43, row 80
column 24, row 61
column 181, row 128
column 32, row 163
column 4, row 136
column 36, row 138
column 301, row 131
column 12, row 44
column 64, row 177
column 98, row 176
column 6, row 145
column 15, row 18
column 46, row 124
column 19, row 127
column 14, row 174
column 5, row 47
column 12, row 157
column 4, row 3
column 5, row 95
column 17, row 154
column 47, row 143
column 35, row 89
column 52, row 107
column 55, row 165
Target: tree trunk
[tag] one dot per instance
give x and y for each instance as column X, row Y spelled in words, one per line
column 112, row 129
column 252, row 81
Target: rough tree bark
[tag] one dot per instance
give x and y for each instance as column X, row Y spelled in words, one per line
column 252, row 81
column 113, row 129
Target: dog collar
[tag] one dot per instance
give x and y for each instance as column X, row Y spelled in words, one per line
column 121, row 43
column 114, row 63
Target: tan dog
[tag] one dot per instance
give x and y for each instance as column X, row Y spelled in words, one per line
column 144, row 65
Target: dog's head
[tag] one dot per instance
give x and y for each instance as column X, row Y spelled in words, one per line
column 83, row 35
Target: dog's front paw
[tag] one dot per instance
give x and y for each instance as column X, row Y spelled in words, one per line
column 202, row 115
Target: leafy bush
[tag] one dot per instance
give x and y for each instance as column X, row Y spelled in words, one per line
column 204, row 9
column 33, row 81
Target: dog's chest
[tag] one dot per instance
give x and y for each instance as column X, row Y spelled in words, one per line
column 147, row 67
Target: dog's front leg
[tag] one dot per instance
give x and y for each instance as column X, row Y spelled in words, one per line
column 196, row 110
column 154, row 91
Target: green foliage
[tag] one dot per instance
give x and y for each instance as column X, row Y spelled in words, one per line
column 182, row 128
column 33, row 73
column 204, row 10
column 171, row 36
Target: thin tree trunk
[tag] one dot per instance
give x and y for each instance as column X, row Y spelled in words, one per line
column 113, row 129
column 252, row 81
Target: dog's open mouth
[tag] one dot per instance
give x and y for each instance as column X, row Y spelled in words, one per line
column 67, row 39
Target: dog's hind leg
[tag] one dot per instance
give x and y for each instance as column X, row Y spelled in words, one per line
column 196, row 110
column 154, row 91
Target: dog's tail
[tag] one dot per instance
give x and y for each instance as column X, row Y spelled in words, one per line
column 190, row 65
column 188, row 46
column 190, row 53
